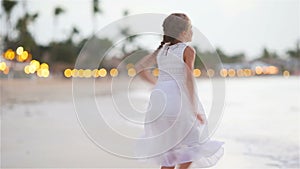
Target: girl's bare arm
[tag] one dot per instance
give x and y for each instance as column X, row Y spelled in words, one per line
column 143, row 66
column 189, row 56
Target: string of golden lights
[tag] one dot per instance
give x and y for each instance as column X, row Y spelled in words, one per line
column 131, row 72
column 42, row 69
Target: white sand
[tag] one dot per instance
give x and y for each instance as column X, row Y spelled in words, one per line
column 39, row 127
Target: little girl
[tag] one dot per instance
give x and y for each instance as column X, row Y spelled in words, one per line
column 175, row 128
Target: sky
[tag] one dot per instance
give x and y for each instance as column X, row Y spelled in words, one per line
column 233, row 25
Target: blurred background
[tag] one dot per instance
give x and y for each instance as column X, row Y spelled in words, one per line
column 258, row 43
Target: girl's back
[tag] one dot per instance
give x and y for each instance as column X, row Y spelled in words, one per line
column 170, row 63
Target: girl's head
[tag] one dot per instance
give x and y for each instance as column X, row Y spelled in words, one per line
column 177, row 27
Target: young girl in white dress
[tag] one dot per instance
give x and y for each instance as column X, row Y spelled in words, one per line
column 175, row 128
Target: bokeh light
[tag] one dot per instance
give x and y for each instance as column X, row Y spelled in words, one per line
column 45, row 72
column 273, row 70
column 26, row 69
column 68, row 73
column 197, row 72
column 87, row 73
column 223, row 72
column 247, row 72
column 258, row 70
column 44, row 66
column 6, row 71
column 155, row 72
column 31, row 69
column 19, row 50
column 35, row 65
column 24, row 55
column 265, row 70
column 210, row 72
column 129, row 65
column 3, row 66
column 102, row 72
column 131, row 72
column 9, row 54
column 95, row 73
column 231, row 72
column 81, row 73
column 75, row 73
column 286, row 73
column 240, row 73
column 114, row 72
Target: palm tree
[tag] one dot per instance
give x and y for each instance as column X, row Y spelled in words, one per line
column 57, row 12
column 8, row 5
column 266, row 53
column 74, row 32
column 126, row 32
column 96, row 10
column 295, row 53
column 25, row 37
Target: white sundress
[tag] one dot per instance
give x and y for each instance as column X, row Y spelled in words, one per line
column 172, row 134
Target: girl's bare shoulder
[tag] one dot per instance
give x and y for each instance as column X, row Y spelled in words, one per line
column 189, row 53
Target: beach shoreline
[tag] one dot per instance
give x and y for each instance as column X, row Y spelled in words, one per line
column 40, row 127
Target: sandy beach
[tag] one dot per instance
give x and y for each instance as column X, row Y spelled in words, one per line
column 40, row 129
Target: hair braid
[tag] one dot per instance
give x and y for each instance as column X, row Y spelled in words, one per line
column 164, row 41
